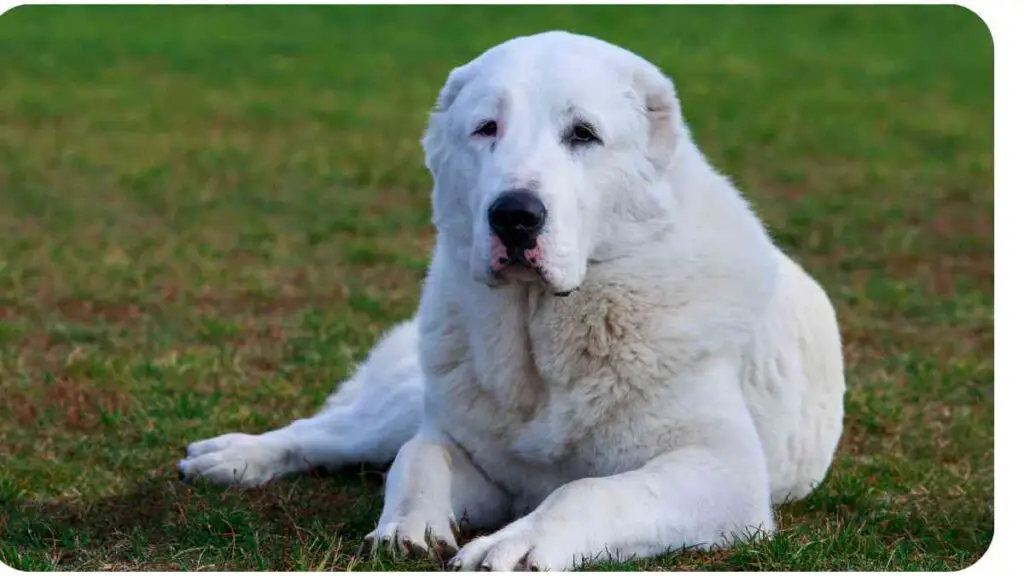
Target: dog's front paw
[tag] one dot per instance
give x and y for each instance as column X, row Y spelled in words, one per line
column 522, row 545
column 419, row 535
column 235, row 459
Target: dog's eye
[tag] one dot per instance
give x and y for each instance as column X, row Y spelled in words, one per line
column 487, row 129
column 582, row 134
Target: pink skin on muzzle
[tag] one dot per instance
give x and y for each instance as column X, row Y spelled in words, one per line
column 500, row 258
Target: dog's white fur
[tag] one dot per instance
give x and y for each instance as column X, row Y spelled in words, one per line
column 692, row 379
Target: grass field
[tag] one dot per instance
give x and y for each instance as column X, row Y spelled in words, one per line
column 208, row 215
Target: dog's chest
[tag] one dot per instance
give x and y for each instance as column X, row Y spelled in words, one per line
column 550, row 390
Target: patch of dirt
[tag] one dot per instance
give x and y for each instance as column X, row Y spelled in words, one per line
column 67, row 402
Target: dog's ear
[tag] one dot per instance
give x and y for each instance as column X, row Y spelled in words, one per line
column 434, row 135
column 664, row 119
column 457, row 80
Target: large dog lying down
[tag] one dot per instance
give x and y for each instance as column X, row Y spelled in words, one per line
column 610, row 359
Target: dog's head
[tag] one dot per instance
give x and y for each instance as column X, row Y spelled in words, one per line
column 548, row 154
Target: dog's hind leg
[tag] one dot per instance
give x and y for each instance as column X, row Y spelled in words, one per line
column 367, row 419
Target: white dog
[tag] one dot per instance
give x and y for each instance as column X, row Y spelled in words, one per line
column 610, row 353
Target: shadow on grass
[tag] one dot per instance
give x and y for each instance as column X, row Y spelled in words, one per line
column 161, row 523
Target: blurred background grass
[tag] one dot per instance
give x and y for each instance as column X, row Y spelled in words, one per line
column 208, row 214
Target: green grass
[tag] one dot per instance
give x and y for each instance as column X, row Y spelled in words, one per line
column 208, row 215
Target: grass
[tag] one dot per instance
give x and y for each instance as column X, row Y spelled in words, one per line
column 209, row 214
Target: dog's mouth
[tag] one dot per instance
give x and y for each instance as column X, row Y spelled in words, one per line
column 520, row 269
column 522, row 263
column 519, row 261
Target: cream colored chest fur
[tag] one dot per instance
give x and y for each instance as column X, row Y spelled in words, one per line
column 553, row 389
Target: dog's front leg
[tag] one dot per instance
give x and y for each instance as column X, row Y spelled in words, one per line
column 432, row 488
column 693, row 497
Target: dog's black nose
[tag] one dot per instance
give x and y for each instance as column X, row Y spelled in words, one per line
column 517, row 216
